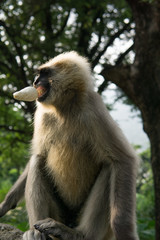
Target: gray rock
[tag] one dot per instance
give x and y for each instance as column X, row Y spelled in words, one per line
column 8, row 232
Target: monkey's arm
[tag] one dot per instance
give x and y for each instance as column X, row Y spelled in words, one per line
column 15, row 194
column 123, row 200
column 117, row 152
column 110, row 208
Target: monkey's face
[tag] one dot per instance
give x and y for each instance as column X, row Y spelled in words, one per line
column 58, row 84
column 42, row 84
column 63, row 79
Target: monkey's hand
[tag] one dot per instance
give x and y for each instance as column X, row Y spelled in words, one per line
column 4, row 208
column 53, row 228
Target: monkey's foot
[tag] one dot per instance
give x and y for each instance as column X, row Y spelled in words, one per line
column 57, row 229
column 33, row 234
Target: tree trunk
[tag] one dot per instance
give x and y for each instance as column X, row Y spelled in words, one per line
column 141, row 82
column 153, row 131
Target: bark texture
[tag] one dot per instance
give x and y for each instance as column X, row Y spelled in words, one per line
column 141, row 82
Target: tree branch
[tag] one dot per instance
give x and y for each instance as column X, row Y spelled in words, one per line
column 122, row 56
column 85, row 30
column 101, row 32
column 10, row 129
column 9, row 56
column 109, row 43
column 6, row 67
column 121, row 76
column 63, row 26
column 11, row 35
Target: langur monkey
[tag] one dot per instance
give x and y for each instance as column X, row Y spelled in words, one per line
column 81, row 179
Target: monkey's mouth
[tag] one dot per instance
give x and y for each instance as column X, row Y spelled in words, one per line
column 42, row 92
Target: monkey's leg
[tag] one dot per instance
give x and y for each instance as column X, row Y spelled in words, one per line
column 39, row 203
column 15, row 194
column 58, row 230
column 94, row 222
column 95, row 218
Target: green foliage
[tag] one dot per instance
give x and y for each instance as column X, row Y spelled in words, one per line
column 146, row 229
column 5, row 185
column 16, row 217
column 14, row 140
column 145, row 199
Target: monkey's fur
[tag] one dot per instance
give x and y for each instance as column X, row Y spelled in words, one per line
column 80, row 180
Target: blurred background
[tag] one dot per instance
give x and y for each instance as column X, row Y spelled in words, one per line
column 121, row 39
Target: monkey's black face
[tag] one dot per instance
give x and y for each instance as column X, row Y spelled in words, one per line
column 41, row 83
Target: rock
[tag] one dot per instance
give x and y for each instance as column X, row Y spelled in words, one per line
column 8, row 232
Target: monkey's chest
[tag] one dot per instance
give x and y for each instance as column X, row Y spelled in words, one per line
column 73, row 173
